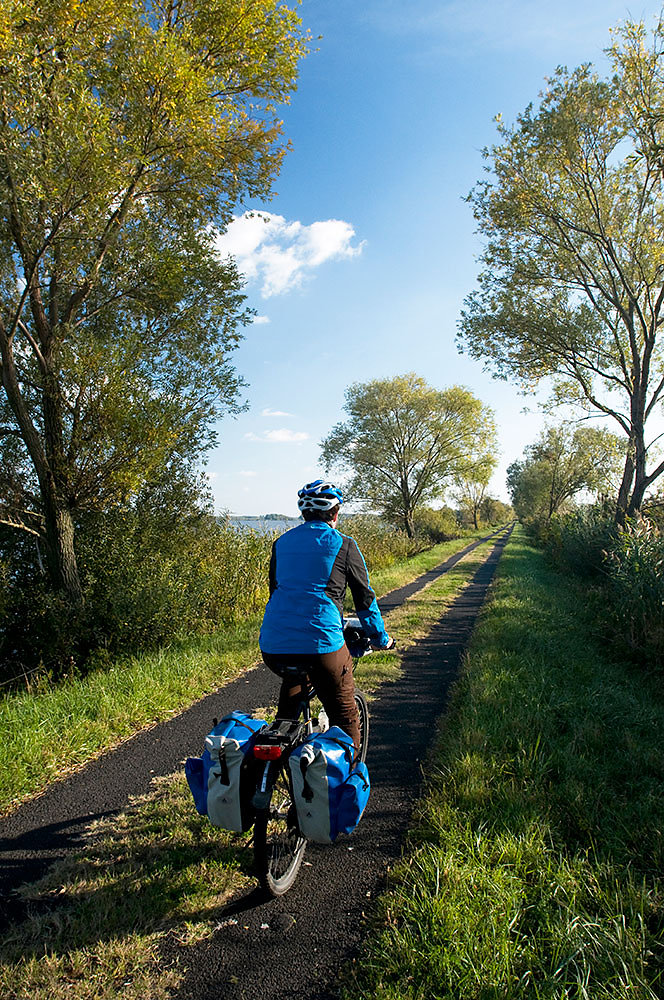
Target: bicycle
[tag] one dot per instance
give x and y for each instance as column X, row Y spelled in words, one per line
column 278, row 844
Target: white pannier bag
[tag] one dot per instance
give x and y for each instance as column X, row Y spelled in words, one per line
column 227, row 745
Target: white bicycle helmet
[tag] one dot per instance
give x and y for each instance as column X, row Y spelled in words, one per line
column 319, row 495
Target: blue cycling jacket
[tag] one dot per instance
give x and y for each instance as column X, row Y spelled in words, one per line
column 310, row 567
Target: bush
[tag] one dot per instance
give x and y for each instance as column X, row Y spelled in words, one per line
column 147, row 582
column 635, row 566
column 380, row 542
column 495, row 512
column 580, row 541
column 624, row 568
column 162, row 568
column 434, row 526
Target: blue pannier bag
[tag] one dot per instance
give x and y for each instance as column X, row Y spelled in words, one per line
column 353, row 797
column 330, row 794
column 215, row 778
column 196, row 770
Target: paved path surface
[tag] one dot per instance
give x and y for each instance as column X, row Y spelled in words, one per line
column 288, row 948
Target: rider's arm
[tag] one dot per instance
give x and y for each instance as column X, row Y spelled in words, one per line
column 364, row 597
column 273, row 569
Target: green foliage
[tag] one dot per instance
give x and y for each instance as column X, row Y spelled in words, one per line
column 161, row 568
column 381, row 543
column 146, row 582
column 158, row 570
column 404, row 441
column 128, row 130
column 653, row 511
column 471, row 481
column 436, row 525
column 635, row 567
column 580, row 540
column 493, row 511
column 624, row 569
column 559, row 466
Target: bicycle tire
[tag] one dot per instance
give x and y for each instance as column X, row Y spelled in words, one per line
column 278, row 845
column 363, row 712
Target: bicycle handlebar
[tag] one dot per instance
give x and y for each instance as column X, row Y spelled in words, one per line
column 358, row 641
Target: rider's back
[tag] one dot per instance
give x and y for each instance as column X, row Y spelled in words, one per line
column 307, row 584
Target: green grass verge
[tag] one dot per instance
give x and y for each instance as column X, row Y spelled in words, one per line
column 534, row 864
column 47, row 731
column 98, row 921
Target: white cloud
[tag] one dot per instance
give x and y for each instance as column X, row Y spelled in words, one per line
column 267, row 412
column 281, row 436
column 247, row 473
column 280, row 254
column 260, row 320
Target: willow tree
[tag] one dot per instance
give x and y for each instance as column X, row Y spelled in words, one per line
column 127, row 127
column 404, row 441
column 572, row 285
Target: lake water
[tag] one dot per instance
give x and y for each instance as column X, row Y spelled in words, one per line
column 260, row 524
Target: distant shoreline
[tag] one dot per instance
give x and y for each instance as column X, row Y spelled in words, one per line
column 265, row 523
column 262, row 517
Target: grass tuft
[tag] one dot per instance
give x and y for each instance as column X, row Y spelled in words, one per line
column 95, row 923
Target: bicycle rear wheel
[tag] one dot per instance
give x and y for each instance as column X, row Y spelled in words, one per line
column 363, row 712
column 278, row 845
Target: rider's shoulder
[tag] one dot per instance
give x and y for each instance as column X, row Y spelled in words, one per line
column 348, row 541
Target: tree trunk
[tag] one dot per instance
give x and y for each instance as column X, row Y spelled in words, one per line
column 59, row 524
column 640, row 479
column 625, row 486
column 408, row 524
column 60, row 553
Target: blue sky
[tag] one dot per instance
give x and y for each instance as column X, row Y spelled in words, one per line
column 370, row 250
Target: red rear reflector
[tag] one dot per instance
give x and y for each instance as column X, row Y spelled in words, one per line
column 267, row 752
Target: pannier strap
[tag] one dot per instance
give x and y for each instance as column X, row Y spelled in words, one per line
column 307, row 790
column 241, row 722
column 224, row 777
column 348, row 750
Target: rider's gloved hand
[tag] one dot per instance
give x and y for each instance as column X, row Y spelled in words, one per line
column 390, row 645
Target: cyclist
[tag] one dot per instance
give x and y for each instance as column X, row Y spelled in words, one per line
column 310, row 568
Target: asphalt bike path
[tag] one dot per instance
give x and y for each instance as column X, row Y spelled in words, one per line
column 320, row 919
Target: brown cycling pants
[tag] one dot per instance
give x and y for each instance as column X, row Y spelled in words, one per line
column 332, row 677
